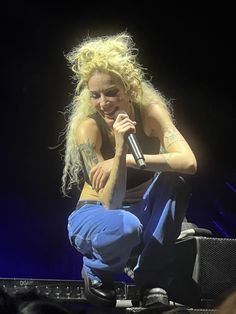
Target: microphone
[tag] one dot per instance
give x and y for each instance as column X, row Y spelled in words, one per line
column 134, row 146
column 136, row 151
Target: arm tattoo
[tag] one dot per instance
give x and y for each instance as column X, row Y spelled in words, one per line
column 171, row 136
column 89, row 156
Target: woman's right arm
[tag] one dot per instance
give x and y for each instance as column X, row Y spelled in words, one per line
column 90, row 142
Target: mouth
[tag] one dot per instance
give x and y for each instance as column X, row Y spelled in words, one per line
column 111, row 115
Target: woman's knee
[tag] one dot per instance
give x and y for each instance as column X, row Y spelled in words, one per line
column 132, row 227
column 174, row 181
column 118, row 241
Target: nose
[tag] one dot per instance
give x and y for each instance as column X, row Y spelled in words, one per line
column 104, row 102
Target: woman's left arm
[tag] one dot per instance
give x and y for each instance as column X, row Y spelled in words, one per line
column 178, row 156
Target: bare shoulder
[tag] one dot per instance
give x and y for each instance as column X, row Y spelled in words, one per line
column 154, row 110
column 87, row 130
column 86, row 126
column 155, row 117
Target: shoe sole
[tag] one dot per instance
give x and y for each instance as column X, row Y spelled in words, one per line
column 95, row 299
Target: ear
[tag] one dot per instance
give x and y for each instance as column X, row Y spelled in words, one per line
column 132, row 95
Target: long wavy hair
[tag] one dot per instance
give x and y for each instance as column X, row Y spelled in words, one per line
column 114, row 54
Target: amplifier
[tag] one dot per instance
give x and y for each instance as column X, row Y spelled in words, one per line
column 71, row 294
column 205, row 267
column 60, row 289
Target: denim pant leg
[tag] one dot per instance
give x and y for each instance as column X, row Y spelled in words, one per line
column 104, row 237
column 166, row 202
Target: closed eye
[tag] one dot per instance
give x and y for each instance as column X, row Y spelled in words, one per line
column 94, row 95
column 108, row 93
column 111, row 93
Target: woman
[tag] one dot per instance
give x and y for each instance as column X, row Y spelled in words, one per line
column 122, row 208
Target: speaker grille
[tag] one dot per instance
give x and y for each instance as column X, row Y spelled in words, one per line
column 215, row 268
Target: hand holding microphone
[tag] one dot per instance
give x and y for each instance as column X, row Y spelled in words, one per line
column 134, row 147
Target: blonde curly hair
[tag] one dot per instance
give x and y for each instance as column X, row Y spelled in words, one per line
column 114, row 54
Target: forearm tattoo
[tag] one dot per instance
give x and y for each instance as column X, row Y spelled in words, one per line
column 89, row 156
column 171, row 136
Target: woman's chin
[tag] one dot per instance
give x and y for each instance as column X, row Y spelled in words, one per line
column 109, row 120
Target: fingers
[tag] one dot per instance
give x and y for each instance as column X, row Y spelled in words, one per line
column 96, row 181
column 124, row 125
column 95, row 175
column 102, row 182
column 123, row 116
column 98, row 177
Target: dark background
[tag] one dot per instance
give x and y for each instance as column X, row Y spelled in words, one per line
column 189, row 54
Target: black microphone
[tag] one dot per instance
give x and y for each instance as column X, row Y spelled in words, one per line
column 134, row 146
column 136, row 151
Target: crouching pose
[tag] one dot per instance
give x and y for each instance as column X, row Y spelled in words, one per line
column 122, row 209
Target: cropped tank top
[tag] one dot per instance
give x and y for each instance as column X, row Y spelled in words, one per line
column 149, row 145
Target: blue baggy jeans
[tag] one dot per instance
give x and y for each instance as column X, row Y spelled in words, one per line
column 106, row 238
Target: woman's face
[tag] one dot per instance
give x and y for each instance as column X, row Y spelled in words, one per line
column 108, row 95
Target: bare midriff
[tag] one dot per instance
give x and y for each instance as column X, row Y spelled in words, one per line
column 132, row 195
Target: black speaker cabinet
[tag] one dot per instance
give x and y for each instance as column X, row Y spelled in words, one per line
column 204, row 268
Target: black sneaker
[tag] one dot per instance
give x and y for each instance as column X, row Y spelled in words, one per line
column 154, row 297
column 99, row 293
